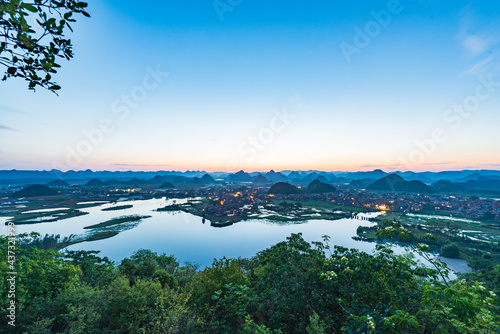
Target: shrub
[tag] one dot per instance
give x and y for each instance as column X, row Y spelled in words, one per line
column 450, row 250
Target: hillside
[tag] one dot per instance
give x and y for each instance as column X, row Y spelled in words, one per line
column 240, row 176
column 207, row 179
column 96, row 183
column 294, row 175
column 35, row 190
column 394, row 182
column 158, row 179
column 361, row 183
column 275, row 176
column 482, row 184
column 447, row 186
column 260, row 179
column 166, row 185
column 283, row 188
column 318, row 187
column 57, row 183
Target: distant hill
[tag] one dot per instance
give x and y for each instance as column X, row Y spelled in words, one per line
column 35, row 190
column 482, row 184
column 260, row 179
column 294, row 175
column 410, row 176
column 310, row 177
column 275, row 176
column 322, row 178
column 206, row 179
column 361, row 183
column 181, row 179
column 19, row 177
column 57, row 183
column 473, row 176
column 394, row 182
column 283, row 188
column 476, row 183
column 133, row 182
column 96, row 183
column 166, row 185
column 240, row 176
column 158, row 179
column 143, row 178
column 318, row 187
column 375, row 174
column 389, row 182
column 445, row 186
column 333, row 178
column 114, row 182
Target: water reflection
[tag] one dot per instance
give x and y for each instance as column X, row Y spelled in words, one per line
column 191, row 239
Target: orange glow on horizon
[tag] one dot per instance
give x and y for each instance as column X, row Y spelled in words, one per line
column 327, row 166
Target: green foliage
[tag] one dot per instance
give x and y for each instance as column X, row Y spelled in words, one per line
column 223, row 292
column 291, row 287
column 145, row 263
column 165, row 279
column 315, row 326
column 34, row 239
column 288, row 283
column 450, row 250
column 44, row 273
column 250, row 327
column 490, row 277
column 29, row 50
column 96, row 271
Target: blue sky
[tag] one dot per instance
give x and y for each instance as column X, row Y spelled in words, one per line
column 255, row 85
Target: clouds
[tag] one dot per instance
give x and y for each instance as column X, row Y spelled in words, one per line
column 8, row 128
column 475, row 45
column 4, row 108
column 472, row 41
column 479, row 67
column 479, row 41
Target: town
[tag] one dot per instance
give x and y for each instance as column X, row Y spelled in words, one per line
column 226, row 201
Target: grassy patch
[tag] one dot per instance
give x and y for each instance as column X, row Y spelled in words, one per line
column 119, row 207
column 102, row 235
column 46, row 217
column 173, row 207
column 117, row 221
column 481, row 254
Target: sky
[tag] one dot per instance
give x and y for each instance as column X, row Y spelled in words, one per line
column 227, row 85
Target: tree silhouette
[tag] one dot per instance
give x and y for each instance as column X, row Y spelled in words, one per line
column 32, row 38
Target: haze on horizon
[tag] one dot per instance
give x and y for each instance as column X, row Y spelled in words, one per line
column 333, row 86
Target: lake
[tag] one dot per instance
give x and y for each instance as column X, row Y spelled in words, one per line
column 189, row 240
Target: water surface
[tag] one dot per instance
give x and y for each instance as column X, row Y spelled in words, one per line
column 190, row 240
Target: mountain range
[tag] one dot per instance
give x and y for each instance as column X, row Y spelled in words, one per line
column 425, row 182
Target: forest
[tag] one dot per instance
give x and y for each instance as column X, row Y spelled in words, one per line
column 291, row 287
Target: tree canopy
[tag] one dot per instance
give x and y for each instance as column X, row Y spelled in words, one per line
column 32, row 38
column 292, row 287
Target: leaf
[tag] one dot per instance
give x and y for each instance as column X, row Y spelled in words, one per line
column 11, row 70
column 55, row 87
column 29, row 7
